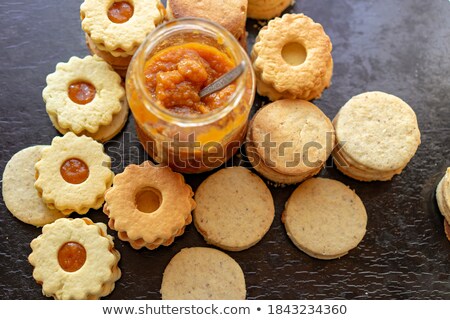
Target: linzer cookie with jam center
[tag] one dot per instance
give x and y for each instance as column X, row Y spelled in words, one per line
column 149, row 205
column 75, row 259
column 115, row 29
column 292, row 59
column 85, row 96
column 73, row 174
column 19, row 194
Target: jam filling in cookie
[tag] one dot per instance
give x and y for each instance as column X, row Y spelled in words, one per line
column 120, row 12
column 71, row 256
column 81, row 92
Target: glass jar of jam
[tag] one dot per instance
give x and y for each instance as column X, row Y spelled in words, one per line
column 175, row 126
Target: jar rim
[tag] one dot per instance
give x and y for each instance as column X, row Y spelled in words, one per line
column 191, row 25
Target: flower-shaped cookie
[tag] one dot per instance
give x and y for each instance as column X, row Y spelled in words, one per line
column 83, row 94
column 149, row 205
column 292, row 58
column 73, row 174
column 119, row 27
column 75, row 259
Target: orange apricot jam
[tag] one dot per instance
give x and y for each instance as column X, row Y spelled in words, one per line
column 81, row 92
column 74, row 171
column 71, row 256
column 175, row 76
column 120, row 12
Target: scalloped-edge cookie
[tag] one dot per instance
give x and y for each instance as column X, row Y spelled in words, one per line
column 104, row 133
column 83, row 94
column 230, row 215
column 203, row 274
column 324, row 218
column 267, row 9
column 149, row 205
column 73, row 174
column 124, row 37
column 377, row 135
column 75, row 259
column 19, row 193
column 292, row 58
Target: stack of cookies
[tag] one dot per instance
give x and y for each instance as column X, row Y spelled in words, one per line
column 289, row 141
column 115, row 29
column 377, row 135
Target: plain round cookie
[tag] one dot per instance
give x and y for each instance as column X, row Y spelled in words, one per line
column 378, row 131
column 234, row 209
column 203, row 274
column 19, row 194
column 324, row 218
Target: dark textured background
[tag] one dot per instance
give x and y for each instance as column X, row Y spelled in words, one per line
column 397, row 46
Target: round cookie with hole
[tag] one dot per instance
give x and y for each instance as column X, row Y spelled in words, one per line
column 75, row 259
column 203, row 274
column 73, row 174
column 19, row 194
column 324, row 218
column 234, row 209
column 292, row 59
column 149, row 205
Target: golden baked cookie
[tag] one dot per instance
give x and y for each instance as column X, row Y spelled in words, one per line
column 149, row 205
column 289, row 141
column 267, row 9
column 292, row 58
column 19, row 193
column 447, row 229
column 203, row 274
column 231, row 14
column 83, row 95
column 324, row 218
column 234, row 209
column 119, row 27
column 75, row 259
column 73, row 174
column 377, row 134
column 443, row 195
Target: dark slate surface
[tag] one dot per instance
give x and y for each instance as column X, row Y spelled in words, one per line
column 400, row 47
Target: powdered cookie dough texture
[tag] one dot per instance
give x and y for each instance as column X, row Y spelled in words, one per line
column 19, row 194
column 292, row 58
column 289, row 141
column 75, row 259
column 324, row 218
column 149, row 205
column 86, row 96
column 377, row 135
column 234, row 209
column 73, row 174
column 203, row 274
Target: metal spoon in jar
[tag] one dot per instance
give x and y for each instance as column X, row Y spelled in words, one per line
column 223, row 81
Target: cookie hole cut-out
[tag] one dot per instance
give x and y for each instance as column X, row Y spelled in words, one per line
column 81, row 92
column 148, row 200
column 71, row 256
column 294, row 53
column 74, row 171
column 120, row 11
